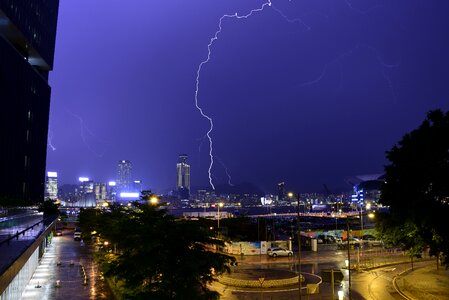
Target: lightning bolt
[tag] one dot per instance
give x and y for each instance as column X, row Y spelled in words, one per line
column 50, row 140
column 385, row 66
column 360, row 11
column 295, row 20
column 198, row 75
column 226, row 171
column 83, row 129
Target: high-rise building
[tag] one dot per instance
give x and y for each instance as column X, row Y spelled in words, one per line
column 281, row 191
column 100, row 191
column 137, row 186
column 183, row 177
column 27, row 43
column 85, row 193
column 124, row 172
column 111, row 190
column 51, row 187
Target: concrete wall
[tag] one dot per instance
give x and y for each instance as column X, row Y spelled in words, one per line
column 12, row 281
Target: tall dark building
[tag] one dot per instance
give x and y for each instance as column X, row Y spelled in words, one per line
column 183, row 177
column 281, row 191
column 27, row 43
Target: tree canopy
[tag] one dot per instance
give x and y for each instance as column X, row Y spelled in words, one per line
column 417, row 188
column 157, row 256
column 49, row 207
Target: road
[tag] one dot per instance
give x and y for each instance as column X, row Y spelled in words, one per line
column 374, row 284
column 71, row 254
column 377, row 284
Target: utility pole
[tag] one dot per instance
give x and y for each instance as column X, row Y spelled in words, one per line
column 349, row 259
column 299, row 248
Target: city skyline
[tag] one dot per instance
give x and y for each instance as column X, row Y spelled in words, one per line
column 306, row 93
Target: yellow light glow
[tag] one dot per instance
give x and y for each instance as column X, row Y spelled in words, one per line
column 154, row 200
column 221, row 204
column 105, row 204
column 290, row 194
column 371, row 215
column 106, row 243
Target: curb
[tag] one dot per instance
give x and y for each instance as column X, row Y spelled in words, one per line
column 244, row 283
column 396, row 286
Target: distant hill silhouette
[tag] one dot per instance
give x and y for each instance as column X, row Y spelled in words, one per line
column 237, row 189
column 67, row 189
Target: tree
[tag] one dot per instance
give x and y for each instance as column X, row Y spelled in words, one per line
column 159, row 256
column 416, row 188
column 49, row 208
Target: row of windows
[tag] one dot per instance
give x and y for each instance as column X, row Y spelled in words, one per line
column 36, row 19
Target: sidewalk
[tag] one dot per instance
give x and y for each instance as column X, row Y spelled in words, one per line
column 62, row 262
column 425, row 283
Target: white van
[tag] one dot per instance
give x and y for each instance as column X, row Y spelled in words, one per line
column 77, row 236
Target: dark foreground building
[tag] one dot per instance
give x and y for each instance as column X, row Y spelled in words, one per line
column 27, row 43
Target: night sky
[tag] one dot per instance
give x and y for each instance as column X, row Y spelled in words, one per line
column 306, row 92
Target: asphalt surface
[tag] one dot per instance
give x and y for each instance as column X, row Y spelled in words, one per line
column 62, row 261
column 374, row 279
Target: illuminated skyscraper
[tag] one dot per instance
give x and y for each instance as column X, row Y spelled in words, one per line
column 183, row 177
column 51, row 187
column 124, row 172
column 85, row 193
column 100, row 191
column 27, row 43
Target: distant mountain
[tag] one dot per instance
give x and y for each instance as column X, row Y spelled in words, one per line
column 67, row 189
column 237, row 189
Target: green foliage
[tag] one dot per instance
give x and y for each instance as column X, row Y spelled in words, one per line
column 158, row 256
column 417, row 189
column 49, row 207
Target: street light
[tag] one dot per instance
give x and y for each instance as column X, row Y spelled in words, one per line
column 218, row 207
column 154, row 200
column 349, row 258
column 290, row 195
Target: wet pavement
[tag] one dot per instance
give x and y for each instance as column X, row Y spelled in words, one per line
column 12, row 245
column 62, row 262
column 424, row 283
column 374, row 280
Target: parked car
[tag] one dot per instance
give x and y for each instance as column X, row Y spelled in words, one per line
column 326, row 239
column 77, row 236
column 372, row 241
column 368, row 237
column 274, row 252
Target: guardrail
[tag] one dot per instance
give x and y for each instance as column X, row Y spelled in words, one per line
column 22, row 232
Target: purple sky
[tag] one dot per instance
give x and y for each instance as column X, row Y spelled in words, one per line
column 306, row 92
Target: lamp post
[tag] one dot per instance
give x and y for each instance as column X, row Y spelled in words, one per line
column 299, row 245
column 218, row 219
column 361, row 218
column 349, row 258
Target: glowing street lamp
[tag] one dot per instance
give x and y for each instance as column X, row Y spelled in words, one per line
column 221, row 204
column 154, row 200
column 290, row 195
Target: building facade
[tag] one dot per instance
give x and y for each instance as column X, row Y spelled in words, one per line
column 124, row 175
column 100, row 192
column 51, row 187
column 27, row 43
column 183, row 177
